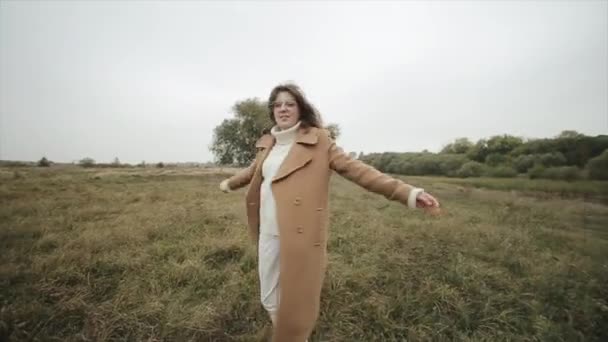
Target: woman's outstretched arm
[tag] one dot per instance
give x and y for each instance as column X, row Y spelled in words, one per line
column 375, row 181
column 240, row 179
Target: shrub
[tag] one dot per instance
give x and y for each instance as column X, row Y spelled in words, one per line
column 470, row 169
column 449, row 164
column 568, row 173
column 553, row 159
column 524, row 162
column 598, row 167
column 495, row 159
column 536, row 171
column 501, row 171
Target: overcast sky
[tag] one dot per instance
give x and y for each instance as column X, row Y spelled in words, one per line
column 149, row 81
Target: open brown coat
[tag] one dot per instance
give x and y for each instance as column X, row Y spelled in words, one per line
column 301, row 192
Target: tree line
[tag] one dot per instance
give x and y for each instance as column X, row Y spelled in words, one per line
column 568, row 156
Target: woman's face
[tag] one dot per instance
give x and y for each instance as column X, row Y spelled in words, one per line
column 285, row 110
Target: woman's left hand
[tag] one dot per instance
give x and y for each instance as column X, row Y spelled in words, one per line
column 426, row 201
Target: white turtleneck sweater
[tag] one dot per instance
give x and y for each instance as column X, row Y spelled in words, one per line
column 268, row 211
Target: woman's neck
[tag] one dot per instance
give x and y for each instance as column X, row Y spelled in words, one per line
column 286, row 135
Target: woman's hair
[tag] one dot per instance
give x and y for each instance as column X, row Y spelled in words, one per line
column 309, row 115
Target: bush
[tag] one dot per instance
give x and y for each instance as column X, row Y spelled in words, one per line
column 495, row 159
column 598, row 167
column 449, row 164
column 416, row 163
column 568, row 173
column 87, row 162
column 501, row 171
column 524, row 162
column 470, row 169
column 44, row 162
column 536, row 171
column 160, row 165
column 553, row 159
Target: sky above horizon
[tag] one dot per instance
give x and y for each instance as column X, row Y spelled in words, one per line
column 148, row 81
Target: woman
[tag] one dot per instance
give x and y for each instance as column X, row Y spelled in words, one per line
column 287, row 204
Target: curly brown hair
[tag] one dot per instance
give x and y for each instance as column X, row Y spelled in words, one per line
column 309, row 115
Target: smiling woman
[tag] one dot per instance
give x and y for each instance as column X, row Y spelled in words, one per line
column 288, row 105
column 287, row 204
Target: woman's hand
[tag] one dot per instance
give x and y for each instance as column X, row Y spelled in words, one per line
column 224, row 186
column 427, row 202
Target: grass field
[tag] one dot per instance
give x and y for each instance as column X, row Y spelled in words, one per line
column 162, row 255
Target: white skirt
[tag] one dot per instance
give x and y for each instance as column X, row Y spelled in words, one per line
column 268, row 267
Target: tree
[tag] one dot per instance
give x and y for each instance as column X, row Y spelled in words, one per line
column 87, row 162
column 234, row 139
column 44, row 162
column 498, row 144
column 459, row 146
column 226, row 144
column 479, row 151
column 503, row 144
column 334, row 131
column 116, row 162
column 569, row 135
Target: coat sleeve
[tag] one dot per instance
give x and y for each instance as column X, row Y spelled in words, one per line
column 243, row 177
column 371, row 179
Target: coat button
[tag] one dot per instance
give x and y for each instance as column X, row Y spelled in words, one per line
column 300, row 230
column 297, row 201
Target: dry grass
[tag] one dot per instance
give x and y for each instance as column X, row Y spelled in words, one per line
column 151, row 255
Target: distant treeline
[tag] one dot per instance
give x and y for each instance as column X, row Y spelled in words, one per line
column 568, row 156
column 90, row 163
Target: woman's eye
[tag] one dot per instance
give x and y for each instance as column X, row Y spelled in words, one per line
column 287, row 104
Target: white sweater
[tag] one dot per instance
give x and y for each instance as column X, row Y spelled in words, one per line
column 272, row 163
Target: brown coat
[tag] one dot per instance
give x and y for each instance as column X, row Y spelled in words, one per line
column 301, row 192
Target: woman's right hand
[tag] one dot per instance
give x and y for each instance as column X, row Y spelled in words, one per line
column 224, row 186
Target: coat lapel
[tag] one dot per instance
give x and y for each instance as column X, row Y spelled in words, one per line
column 265, row 143
column 299, row 155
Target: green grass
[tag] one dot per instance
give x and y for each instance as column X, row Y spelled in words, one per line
column 161, row 254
